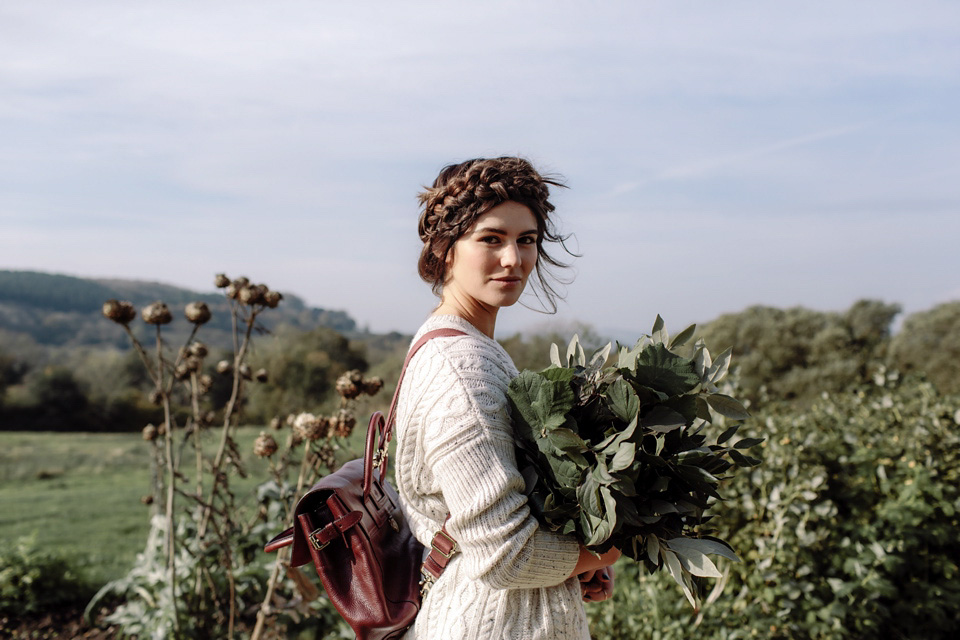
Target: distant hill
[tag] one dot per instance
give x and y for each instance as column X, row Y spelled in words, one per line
column 60, row 310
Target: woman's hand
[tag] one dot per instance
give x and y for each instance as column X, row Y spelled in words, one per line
column 597, row 585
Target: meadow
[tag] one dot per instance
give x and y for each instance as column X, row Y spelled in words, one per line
column 81, row 493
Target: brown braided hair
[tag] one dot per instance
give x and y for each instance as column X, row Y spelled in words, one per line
column 465, row 191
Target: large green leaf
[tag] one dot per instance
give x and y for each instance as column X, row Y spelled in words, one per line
column 664, row 371
column 622, row 400
column 539, row 402
column 566, row 439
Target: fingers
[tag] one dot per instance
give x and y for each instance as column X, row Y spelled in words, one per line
column 599, row 587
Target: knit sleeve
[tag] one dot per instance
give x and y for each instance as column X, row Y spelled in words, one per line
column 469, row 448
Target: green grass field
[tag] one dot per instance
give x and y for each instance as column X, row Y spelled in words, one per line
column 80, row 493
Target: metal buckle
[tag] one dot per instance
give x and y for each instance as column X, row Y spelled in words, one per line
column 453, row 550
column 316, row 543
column 426, row 581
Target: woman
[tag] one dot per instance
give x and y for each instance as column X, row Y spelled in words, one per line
column 484, row 224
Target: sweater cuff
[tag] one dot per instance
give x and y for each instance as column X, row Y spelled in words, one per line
column 550, row 559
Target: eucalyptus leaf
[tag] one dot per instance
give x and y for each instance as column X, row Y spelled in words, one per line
column 727, row 406
column 683, row 337
column 743, row 461
column 720, row 365
column 746, row 443
column 575, row 355
column 727, row 434
column 600, row 356
column 706, row 546
column 555, row 355
column 624, row 457
column 657, row 325
column 653, row 549
column 662, row 419
column 702, row 361
column 697, row 563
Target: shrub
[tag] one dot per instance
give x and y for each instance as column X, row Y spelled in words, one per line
column 34, row 579
column 848, row 529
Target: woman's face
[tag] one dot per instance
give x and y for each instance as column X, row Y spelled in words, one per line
column 489, row 265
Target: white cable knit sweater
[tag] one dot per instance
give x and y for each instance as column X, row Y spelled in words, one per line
column 455, row 453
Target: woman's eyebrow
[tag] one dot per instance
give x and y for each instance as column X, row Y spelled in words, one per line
column 503, row 233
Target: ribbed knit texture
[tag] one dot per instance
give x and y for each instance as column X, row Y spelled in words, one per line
column 455, row 454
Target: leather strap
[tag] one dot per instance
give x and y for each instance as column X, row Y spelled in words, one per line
column 429, row 335
column 442, row 549
column 320, row 538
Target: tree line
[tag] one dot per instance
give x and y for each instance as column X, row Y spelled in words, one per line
column 789, row 354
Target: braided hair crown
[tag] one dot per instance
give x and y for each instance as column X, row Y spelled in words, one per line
column 465, row 191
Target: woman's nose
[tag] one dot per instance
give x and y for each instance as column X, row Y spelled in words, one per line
column 510, row 256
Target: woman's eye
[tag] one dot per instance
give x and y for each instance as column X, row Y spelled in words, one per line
column 490, row 239
column 528, row 240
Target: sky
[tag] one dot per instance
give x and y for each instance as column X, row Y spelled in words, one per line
column 718, row 154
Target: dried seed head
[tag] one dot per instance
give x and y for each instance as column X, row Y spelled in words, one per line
column 276, row 423
column 309, row 427
column 264, row 446
column 182, row 371
column 149, row 433
column 272, row 298
column 162, row 429
column 221, row 280
column 246, row 295
column 121, row 312
column 372, row 386
column 208, row 418
column 224, row 367
column 197, row 312
column 157, row 313
column 350, row 384
column 295, row 440
column 245, row 372
column 345, row 421
column 147, row 500
column 236, row 286
column 260, row 292
column 197, row 350
column 326, row 455
column 155, row 397
column 261, row 375
column 205, row 383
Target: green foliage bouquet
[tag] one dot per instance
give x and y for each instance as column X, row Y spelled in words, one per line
column 618, row 455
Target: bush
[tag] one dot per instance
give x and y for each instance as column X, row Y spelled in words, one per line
column 34, row 579
column 929, row 343
column 847, row 529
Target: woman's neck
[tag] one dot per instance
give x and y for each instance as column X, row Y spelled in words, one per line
column 483, row 319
